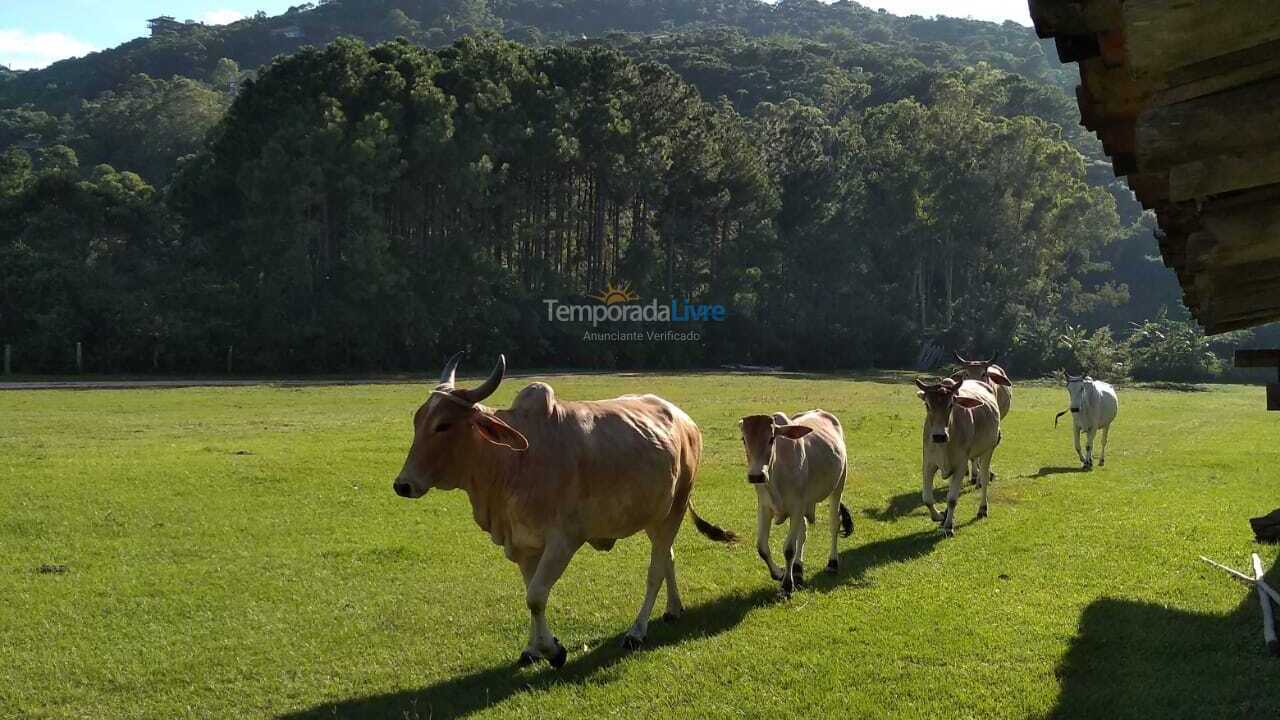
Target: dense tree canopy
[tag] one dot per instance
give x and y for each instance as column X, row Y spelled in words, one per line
column 848, row 190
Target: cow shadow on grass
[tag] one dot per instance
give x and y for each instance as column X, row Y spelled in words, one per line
column 1140, row 660
column 910, row 503
column 1047, row 470
column 467, row 694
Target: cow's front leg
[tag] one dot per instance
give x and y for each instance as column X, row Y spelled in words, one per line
column 926, row 490
column 1075, row 434
column 953, row 496
column 791, row 554
column 764, row 517
column 551, row 565
column 1088, row 448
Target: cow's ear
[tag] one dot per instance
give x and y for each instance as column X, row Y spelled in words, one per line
column 792, row 432
column 500, row 433
column 998, row 377
column 920, row 394
column 967, row 403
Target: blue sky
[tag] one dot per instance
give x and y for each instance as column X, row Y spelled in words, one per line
column 34, row 33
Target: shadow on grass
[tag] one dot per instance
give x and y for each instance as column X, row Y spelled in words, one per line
column 471, row 693
column 1138, row 660
column 1046, row 471
column 907, row 503
column 467, row 694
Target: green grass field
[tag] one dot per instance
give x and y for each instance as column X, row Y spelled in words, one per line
column 238, row 552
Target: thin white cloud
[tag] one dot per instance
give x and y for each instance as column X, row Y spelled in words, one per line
column 221, row 17
column 21, row 50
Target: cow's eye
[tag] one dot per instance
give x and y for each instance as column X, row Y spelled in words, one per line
column 443, row 426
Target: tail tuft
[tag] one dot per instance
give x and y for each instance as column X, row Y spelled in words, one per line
column 713, row 532
column 846, row 521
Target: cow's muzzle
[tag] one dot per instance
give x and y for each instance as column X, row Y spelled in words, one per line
column 1076, row 410
column 406, row 490
column 757, row 479
column 938, row 437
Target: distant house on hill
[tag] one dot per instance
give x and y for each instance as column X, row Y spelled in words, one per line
column 165, row 24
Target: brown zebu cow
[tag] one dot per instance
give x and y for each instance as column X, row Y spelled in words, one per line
column 961, row 424
column 546, row 476
column 995, row 379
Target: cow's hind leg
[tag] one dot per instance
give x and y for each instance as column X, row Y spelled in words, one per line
column 1102, row 451
column 661, row 557
column 984, row 472
column 555, row 558
column 833, row 559
column 1088, row 447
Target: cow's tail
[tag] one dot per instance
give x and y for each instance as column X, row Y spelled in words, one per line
column 846, row 521
column 1055, row 418
column 713, row 532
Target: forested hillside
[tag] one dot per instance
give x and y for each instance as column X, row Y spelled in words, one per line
column 847, row 183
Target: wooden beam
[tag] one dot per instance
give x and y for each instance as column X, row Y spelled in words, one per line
column 1225, row 173
column 1222, row 73
column 1074, row 17
column 1164, row 35
column 1114, row 92
column 1231, row 122
column 1074, row 48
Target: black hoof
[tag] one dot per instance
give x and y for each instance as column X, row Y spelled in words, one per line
column 948, row 532
column 670, row 617
column 982, row 511
column 777, row 577
column 833, row 566
column 797, row 574
column 526, row 659
column 1101, row 463
column 632, row 643
column 557, row 660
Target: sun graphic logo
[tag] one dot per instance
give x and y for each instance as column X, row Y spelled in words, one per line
column 612, row 295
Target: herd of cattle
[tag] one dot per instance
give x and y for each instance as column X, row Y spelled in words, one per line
column 546, row 476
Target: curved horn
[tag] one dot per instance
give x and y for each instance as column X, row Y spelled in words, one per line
column 993, row 359
column 451, row 367
column 960, row 358
column 486, row 388
column 923, row 385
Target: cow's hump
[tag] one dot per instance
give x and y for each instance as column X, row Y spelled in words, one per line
column 537, row 398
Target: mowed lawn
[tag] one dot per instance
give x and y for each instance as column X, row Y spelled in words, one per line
column 239, row 552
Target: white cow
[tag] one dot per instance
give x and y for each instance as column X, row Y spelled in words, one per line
column 1093, row 407
column 791, row 478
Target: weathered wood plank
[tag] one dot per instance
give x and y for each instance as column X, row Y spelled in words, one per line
column 1073, row 48
column 1221, row 73
column 1231, row 122
column 1113, row 91
column 1163, row 35
column 1225, row 173
column 1074, row 17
